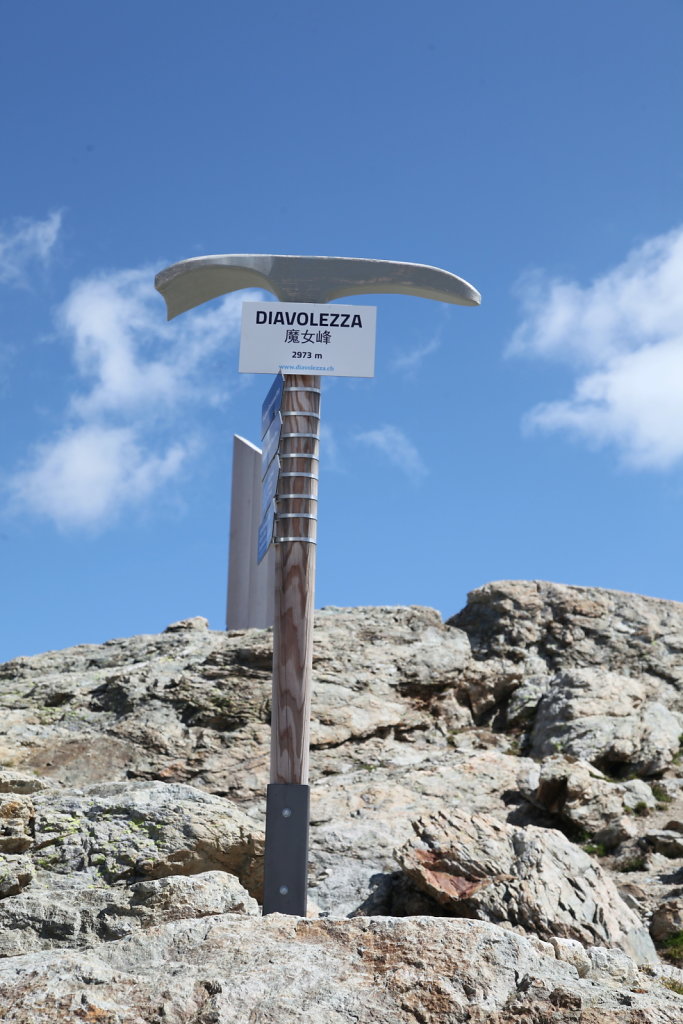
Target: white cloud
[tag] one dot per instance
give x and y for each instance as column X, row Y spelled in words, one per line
column 28, row 242
column 623, row 333
column 118, row 445
column 400, row 451
column 131, row 358
column 84, row 477
column 410, row 360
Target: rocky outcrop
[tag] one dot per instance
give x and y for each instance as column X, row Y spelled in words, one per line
column 46, row 918
column 577, row 627
column 16, row 872
column 194, row 705
column 518, row 766
column 667, row 920
column 604, row 718
column 127, row 831
column 370, row 971
column 588, row 802
column 105, row 860
column 529, row 878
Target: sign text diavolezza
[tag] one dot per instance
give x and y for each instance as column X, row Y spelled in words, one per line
column 329, row 340
column 306, row 319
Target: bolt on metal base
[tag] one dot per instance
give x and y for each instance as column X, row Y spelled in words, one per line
column 286, row 856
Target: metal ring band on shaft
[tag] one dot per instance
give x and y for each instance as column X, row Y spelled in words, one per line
column 296, row 515
column 304, row 540
column 302, row 497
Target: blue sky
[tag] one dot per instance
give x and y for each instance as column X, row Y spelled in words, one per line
column 533, row 149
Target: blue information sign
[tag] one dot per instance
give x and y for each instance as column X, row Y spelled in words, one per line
column 269, row 486
column 270, row 443
column 271, row 406
column 265, row 532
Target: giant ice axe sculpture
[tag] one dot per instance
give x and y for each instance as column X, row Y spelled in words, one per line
column 297, row 279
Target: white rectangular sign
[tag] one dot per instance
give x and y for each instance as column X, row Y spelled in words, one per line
column 306, row 337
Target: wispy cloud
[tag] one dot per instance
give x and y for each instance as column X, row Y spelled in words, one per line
column 132, row 361
column 411, row 360
column 118, row 444
column 88, row 474
column 26, row 243
column 623, row 334
column 397, row 448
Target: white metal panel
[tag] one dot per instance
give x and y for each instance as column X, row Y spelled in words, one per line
column 251, row 587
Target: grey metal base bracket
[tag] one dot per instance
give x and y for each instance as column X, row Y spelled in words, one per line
column 286, row 857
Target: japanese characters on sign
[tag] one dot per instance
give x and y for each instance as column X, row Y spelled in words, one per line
column 300, row 337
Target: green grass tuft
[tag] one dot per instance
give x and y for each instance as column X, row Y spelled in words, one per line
column 672, row 949
column 595, row 849
column 633, row 864
column 660, row 794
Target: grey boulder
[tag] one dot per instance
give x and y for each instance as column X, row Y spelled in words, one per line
column 533, row 879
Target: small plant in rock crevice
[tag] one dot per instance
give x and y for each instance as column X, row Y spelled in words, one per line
column 660, row 794
column 679, row 756
column 632, row 864
column 672, row 949
column 595, row 849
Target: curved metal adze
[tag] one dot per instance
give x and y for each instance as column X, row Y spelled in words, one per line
column 187, row 284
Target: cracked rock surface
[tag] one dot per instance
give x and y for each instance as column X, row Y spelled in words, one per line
column 496, row 820
column 532, row 878
column 376, row 971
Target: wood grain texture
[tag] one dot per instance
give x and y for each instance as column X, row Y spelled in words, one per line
column 295, row 582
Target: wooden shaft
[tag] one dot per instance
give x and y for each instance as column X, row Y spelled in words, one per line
column 295, row 581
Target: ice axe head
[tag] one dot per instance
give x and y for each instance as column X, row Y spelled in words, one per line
column 187, row 284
